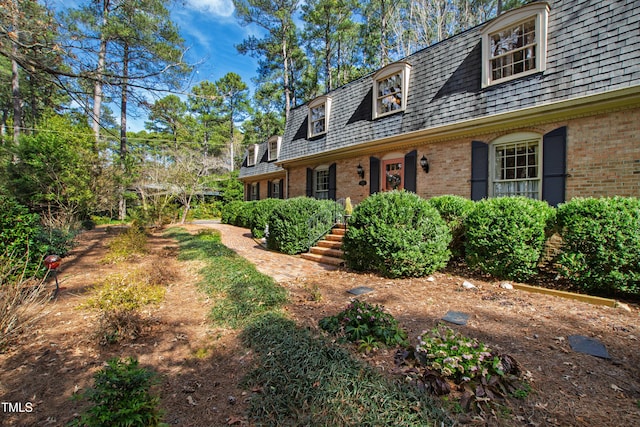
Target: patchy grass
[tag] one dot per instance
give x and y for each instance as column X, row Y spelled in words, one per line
column 240, row 291
column 119, row 298
column 126, row 245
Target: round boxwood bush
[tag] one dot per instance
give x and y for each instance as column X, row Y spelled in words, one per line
column 601, row 243
column 261, row 213
column 454, row 210
column 506, row 236
column 396, row 234
column 289, row 228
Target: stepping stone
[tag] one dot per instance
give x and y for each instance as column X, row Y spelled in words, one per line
column 456, row 317
column 589, row 346
column 360, row 290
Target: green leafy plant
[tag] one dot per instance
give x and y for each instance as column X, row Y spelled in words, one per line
column 601, row 244
column 121, row 397
column 443, row 355
column 506, row 236
column 396, row 234
column 365, row 324
column 454, row 211
column 455, row 356
column 19, row 233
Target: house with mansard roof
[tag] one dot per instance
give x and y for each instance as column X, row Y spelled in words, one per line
column 542, row 101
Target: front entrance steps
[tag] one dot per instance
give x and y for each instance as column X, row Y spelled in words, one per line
column 329, row 249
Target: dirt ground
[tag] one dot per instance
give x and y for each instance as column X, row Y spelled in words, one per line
column 201, row 366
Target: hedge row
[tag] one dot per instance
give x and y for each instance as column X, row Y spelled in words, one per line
column 398, row 234
column 285, row 224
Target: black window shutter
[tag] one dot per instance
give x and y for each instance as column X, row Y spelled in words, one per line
column 332, row 181
column 374, row 175
column 269, row 189
column 554, row 166
column 309, row 182
column 479, row 170
column 257, row 191
column 282, row 188
column 247, row 192
column 410, row 163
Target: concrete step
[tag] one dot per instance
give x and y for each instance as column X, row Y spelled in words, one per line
column 336, row 253
column 323, row 259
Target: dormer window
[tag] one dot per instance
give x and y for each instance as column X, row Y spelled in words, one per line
column 515, row 44
column 273, row 146
column 252, row 155
column 319, row 110
column 391, row 85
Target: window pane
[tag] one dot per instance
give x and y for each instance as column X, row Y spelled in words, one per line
column 322, row 184
column 516, row 169
column 318, row 119
column 513, row 50
column 390, row 94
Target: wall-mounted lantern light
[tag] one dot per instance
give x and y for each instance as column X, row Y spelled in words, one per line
column 425, row 164
column 360, row 171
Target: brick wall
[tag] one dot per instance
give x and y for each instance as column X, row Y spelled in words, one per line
column 603, row 159
column 604, row 155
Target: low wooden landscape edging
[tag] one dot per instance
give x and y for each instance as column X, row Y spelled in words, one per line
column 564, row 294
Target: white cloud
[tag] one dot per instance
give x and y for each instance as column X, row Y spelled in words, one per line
column 216, row 7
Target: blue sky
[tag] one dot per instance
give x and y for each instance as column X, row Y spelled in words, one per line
column 211, row 32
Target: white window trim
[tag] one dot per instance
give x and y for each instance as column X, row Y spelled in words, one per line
column 252, row 159
column 510, row 139
column 541, row 12
column 278, row 140
column 326, row 100
column 398, row 67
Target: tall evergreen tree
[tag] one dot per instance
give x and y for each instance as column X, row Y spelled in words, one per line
column 276, row 48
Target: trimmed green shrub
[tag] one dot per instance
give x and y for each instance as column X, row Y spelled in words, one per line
column 289, row 228
column 261, row 213
column 454, row 210
column 230, row 212
column 396, row 234
column 245, row 214
column 506, row 235
column 601, row 243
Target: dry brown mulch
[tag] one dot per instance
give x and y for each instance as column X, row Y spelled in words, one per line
column 201, row 366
